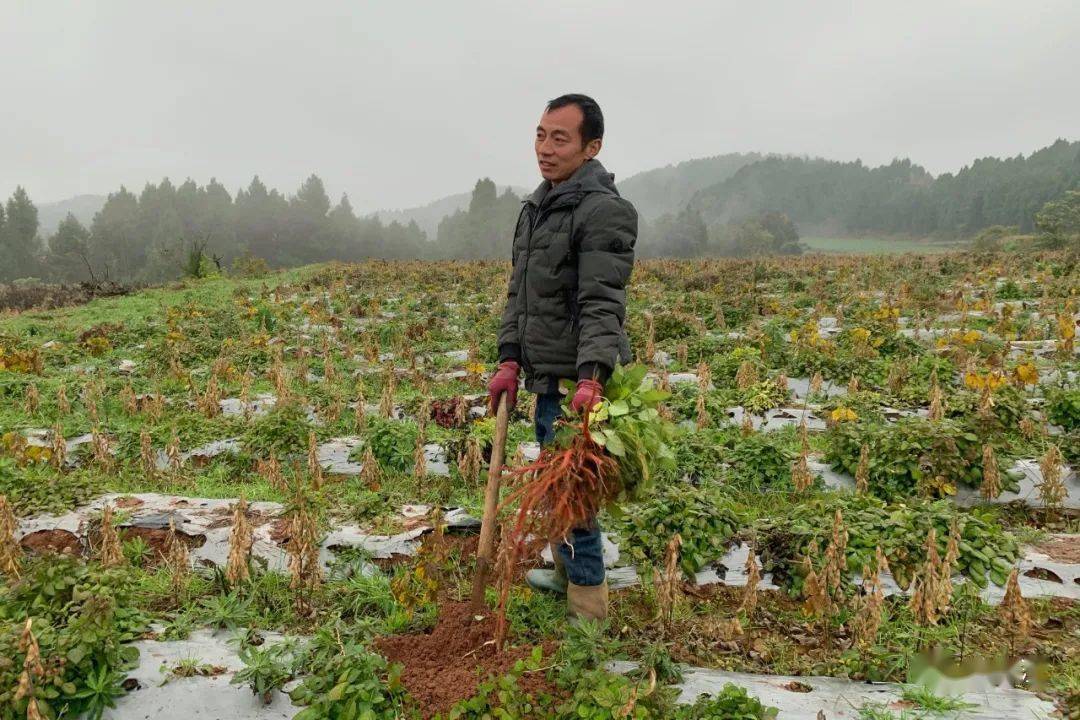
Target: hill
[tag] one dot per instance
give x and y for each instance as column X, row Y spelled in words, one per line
column 826, row 196
column 668, row 189
column 83, row 207
column 430, row 215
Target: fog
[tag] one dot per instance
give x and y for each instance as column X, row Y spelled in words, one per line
column 397, row 103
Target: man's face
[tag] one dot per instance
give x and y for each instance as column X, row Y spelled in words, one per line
column 559, row 150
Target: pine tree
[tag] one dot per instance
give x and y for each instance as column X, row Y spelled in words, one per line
column 69, row 251
column 19, row 243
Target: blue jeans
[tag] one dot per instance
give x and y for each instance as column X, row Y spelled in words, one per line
column 583, row 556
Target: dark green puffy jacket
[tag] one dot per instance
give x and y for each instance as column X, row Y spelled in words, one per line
column 566, row 306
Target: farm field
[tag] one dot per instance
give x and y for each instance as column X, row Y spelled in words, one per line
column 259, row 498
column 875, row 245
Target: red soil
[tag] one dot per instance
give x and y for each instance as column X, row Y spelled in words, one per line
column 57, row 541
column 448, row 664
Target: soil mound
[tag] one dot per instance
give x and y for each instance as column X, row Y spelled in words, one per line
column 448, row 664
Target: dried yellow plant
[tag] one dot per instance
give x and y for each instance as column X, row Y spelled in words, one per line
column 31, row 399
column 10, row 550
column 1014, row 611
column 176, row 560
column 991, row 474
column 109, row 551
column 753, row 579
column 59, row 447
column 1052, row 490
column 746, row 375
column 238, row 565
column 862, row 470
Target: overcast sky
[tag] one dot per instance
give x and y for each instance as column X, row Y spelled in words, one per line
column 398, row 103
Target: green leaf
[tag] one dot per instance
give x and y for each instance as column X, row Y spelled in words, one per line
column 337, row 692
column 654, row 396
column 635, row 374
column 614, row 444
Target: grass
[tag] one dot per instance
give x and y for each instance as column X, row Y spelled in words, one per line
column 925, row 704
column 929, row 701
column 876, row 245
column 146, row 303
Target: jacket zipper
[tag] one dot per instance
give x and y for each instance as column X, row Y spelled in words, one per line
column 536, row 218
column 524, row 288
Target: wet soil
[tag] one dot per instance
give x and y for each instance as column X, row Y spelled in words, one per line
column 447, row 665
column 55, row 541
column 1063, row 548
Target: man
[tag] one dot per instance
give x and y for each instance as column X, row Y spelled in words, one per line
column 566, row 306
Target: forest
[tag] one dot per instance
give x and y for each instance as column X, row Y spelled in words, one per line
column 757, row 205
column 157, row 234
column 899, row 198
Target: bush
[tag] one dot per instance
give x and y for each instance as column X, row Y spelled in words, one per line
column 250, row 266
column 1063, row 408
column 760, row 461
column 344, row 679
column 284, row 430
column 912, row 456
column 502, row 697
column 393, row 443
column 81, row 613
column 1009, row 408
column 900, row 529
column 700, row 517
column 699, row 456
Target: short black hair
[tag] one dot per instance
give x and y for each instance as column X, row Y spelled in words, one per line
column 592, row 124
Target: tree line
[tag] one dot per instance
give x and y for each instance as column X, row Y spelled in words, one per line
column 153, row 236
column 485, row 228
column 898, row 198
column 761, row 207
column 167, row 230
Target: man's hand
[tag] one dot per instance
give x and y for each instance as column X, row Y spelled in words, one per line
column 505, row 380
column 588, row 395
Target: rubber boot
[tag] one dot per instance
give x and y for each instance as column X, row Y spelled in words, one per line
column 587, row 602
column 549, row 580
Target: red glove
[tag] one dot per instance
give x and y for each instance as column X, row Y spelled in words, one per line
column 588, row 394
column 505, row 380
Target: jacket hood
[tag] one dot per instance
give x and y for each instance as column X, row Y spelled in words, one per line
column 590, row 177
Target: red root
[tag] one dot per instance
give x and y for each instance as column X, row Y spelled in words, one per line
column 564, row 489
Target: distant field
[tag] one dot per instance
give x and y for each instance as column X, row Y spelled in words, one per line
column 875, row 245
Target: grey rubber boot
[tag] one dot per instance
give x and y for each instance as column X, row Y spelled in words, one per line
column 549, row 580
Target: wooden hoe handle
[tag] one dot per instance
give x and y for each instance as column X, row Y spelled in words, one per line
column 486, row 548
